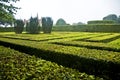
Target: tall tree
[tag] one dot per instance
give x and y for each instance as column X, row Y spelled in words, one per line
column 7, row 10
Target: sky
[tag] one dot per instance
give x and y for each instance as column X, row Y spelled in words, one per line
column 72, row 11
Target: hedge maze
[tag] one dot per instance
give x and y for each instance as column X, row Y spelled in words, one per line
column 61, row 55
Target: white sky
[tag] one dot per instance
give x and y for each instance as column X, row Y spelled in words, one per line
column 72, row 11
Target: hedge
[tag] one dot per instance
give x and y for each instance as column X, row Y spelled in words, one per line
column 6, row 29
column 15, row 65
column 89, row 45
column 79, row 28
column 89, row 28
column 83, row 59
column 102, row 39
column 101, row 22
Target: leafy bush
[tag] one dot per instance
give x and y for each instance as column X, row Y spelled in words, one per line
column 83, row 59
column 33, row 26
column 101, row 22
column 18, row 26
column 47, row 24
column 61, row 22
column 89, row 28
column 15, row 65
column 112, row 17
column 6, row 29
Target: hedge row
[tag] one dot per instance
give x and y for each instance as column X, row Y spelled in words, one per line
column 109, row 36
column 79, row 28
column 6, row 29
column 53, row 37
column 89, row 28
column 89, row 45
column 83, row 59
column 20, row 66
column 103, row 39
column 101, row 22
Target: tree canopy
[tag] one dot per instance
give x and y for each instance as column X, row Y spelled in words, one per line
column 7, row 10
column 61, row 22
column 112, row 17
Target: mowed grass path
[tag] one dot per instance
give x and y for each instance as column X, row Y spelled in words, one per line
column 80, row 50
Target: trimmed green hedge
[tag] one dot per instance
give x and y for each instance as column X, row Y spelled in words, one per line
column 89, row 28
column 89, row 45
column 101, row 22
column 102, row 39
column 20, row 66
column 79, row 28
column 83, row 59
column 6, row 29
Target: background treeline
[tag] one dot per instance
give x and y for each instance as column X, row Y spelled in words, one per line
column 110, row 23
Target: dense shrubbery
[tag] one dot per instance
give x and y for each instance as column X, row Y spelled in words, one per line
column 112, row 17
column 89, row 28
column 33, row 26
column 61, row 22
column 78, row 28
column 47, row 24
column 20, row 66
column 87, row 60
column 6, row 29
column 18, row 26
column 103, row 22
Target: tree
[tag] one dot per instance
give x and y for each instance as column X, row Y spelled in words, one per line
column 112, row 17
column 33, row 26
column 19, row 26
column 7, row 10
column 119, row 20
column 61, row 22
column 47, row 24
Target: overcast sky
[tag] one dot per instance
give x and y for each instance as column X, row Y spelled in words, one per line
column 72, row 11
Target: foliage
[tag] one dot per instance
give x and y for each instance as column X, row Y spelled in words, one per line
column 18, row 26
column 112, row 17
column 81, row 28
column 33, row 26
column 79, row 23
column 84, row 58
column 6, row 29
column 103, row 22
column 6, row 22
column 19, row 66
column 89, row 28
column 61, row 22
column 7, row 9
column 119, row 20
column 47, row 24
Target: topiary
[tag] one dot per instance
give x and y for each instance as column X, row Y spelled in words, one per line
column 33, row 26
column 18, row 26
column 47, row 24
